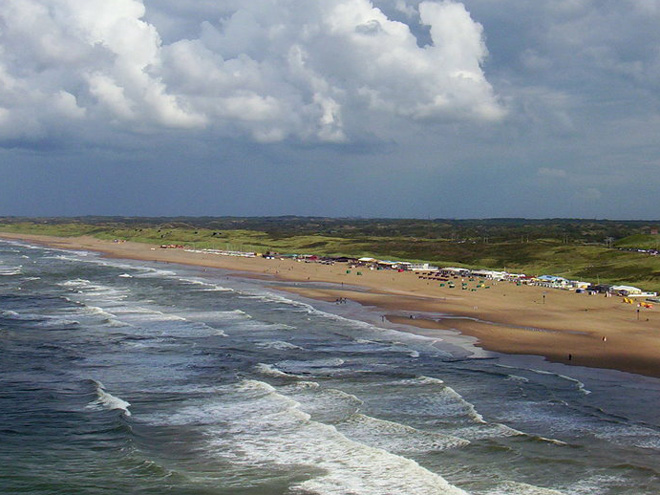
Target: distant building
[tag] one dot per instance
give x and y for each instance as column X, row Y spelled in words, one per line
column 421, row 267
column 489, row 274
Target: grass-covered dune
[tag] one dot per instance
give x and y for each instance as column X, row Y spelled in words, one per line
column 604, row 251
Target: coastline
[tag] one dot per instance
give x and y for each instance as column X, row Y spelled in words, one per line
column 575, row 329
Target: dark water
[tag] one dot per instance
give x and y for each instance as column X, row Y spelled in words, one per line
column 121, row 377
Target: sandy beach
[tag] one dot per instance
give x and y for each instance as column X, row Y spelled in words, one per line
column 577, row 329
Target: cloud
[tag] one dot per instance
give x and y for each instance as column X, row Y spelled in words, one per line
column 553, row 173
column 310, row 70
column 595, row 40
column 591, row 194
column 404, row 8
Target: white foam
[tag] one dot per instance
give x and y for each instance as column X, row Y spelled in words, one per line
column 233, row 313
column 461, row 403
column 105, row 400
column 138, row 269
column 515, row 488
column 125, row 275
column 353, row 324
column 305, row 385
column 638, row 436
column 255, row 327
column 553, row 441
column 95, row 310
column 326, row 405
column 352, row 468
column 270, row 429
column 57, row 322
column 113, row 322
column 578, row 384
column 128, row 314
column 180, row 325
column 150, row 314
column 273, row 371
column 8, row 271
column 218, row 288
column 77, row 282
column 516, row 378
column 315, row 363
column 87, row 289
column 224, row 316
column 279, row 345
column 330, row 366
column 309, row 309
column 396, row 437
column 154, row 272
column 436, row 400
column 422, row 380
column 208, row 287
column 107, row 293
column 597, row 484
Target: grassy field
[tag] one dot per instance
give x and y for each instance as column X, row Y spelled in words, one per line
column 533, row 247
column 639, row 241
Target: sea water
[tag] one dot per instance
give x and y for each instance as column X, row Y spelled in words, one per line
column 135, row 377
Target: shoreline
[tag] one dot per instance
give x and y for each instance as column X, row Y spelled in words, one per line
column 561, row 326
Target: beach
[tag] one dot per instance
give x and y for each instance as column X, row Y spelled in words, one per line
column 562, row 326
column 275, row 377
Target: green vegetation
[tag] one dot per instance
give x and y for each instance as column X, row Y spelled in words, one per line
column 639, row 241
column 604, row 251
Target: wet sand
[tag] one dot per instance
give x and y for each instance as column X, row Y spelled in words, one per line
column 563, row 326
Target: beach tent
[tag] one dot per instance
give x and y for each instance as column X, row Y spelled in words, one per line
column 490, row 274
column 552, row 280
column 580, row 285
column 625, row 290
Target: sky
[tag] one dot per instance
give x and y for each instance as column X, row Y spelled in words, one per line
column 342, row 108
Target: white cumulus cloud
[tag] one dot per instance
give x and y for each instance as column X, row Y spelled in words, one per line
column 311, row 70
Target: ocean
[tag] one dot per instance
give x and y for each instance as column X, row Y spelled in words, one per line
column 149, row 378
